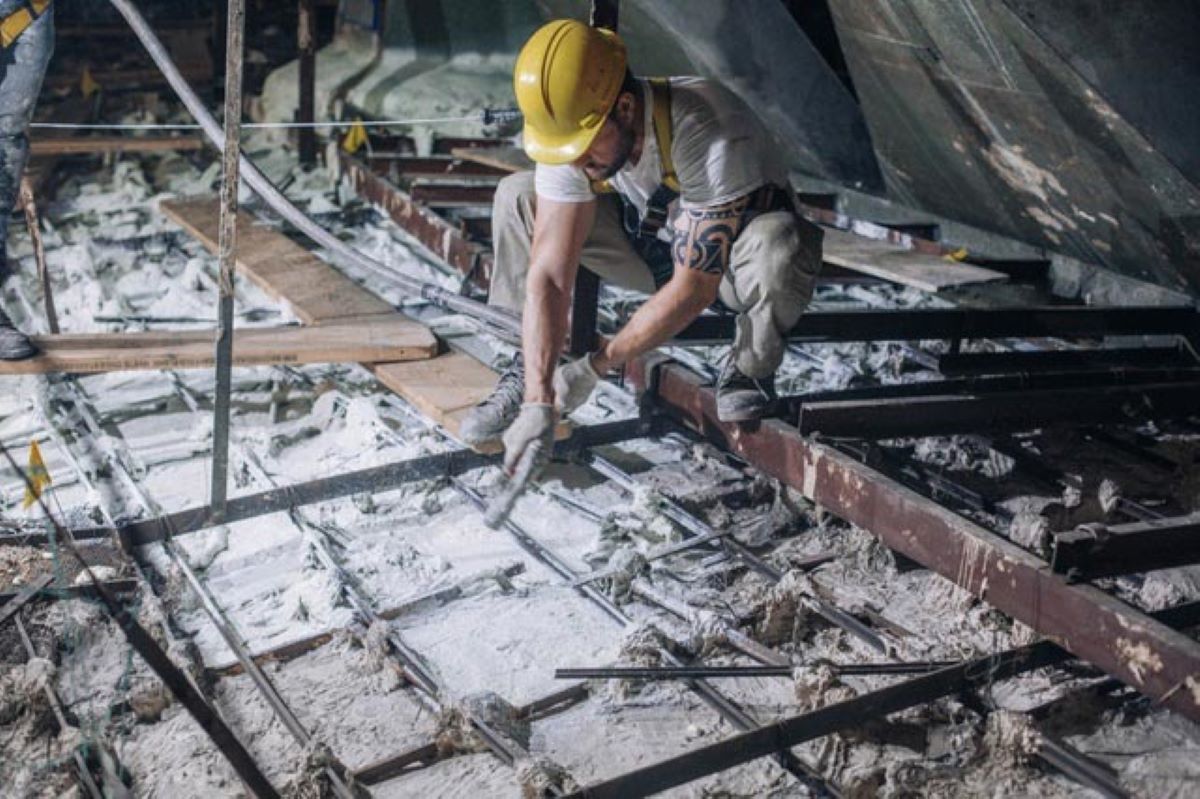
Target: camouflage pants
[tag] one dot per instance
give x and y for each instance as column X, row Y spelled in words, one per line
column 22, row 68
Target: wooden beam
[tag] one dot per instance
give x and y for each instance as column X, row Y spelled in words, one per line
column 900, row 265
column 376, row 339
column 87, row 145
column 316, row 292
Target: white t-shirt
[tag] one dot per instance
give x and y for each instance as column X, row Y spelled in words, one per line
column 720, row 148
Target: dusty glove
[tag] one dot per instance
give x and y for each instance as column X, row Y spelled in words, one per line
column 532, row 432
column 574, row 382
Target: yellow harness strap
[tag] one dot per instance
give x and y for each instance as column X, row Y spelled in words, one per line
column 660, row 90
column 12, row 26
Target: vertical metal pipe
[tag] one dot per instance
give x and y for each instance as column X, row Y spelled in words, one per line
column 227, row 247
column 585, row 306
column 39, row 251
column 604, row 14
column 307, row 45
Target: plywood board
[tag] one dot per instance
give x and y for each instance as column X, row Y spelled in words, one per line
column 373, row 339
column 510, row 159
column 892, row 262
column 445, row 389
column 316, row 292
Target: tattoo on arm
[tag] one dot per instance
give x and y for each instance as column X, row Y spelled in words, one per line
column 704, row 237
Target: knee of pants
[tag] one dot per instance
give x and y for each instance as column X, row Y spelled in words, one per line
column 774, row 265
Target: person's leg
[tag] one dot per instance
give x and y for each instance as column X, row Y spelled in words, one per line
column 773, row 269
column 24, row 67
column 606, row 252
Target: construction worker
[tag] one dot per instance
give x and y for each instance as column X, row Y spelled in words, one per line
column 27, row 35
column 672, row 187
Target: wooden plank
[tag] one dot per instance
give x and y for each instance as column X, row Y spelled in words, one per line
column 372, row 339
column 445, row 389
column 114, row 144
column 510, row 159
column 316, row 292
column 899, row 265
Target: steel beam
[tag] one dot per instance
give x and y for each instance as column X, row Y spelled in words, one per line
column 1159, row 662
column 372, row 480
column 968, row 323
column 743, row 672
column 936, row 415
column 21, row 598
column 49, row 591
column 443, row 195
column 1095, row 551
column 994, row 363
column 789, row 732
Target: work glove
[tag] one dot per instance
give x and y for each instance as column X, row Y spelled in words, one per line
column 531, row 434
column 574, row 382
column 527, row 445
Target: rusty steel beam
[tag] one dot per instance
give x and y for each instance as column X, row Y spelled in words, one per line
column 1116, row 637
column 437, row 234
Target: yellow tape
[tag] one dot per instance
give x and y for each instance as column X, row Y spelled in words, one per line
column 39, row 476
column 87, row 84
column 355, row 138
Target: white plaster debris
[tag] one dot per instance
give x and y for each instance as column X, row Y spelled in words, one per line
column 113, row 254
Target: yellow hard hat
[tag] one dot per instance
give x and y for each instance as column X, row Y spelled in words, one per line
column 567, row 79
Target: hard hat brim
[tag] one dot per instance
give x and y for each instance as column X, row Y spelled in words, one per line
column 557, row 150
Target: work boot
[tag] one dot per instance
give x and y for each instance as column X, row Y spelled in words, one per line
column 14, row 345
column 488, row 420
column 741, row 398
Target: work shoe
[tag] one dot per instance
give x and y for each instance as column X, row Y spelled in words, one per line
column 14, row 345
column 741, row 398
column 488, row 420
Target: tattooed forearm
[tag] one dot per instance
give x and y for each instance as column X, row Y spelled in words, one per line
column 704, row 236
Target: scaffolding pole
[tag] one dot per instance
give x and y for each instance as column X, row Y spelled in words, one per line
column 235, row 26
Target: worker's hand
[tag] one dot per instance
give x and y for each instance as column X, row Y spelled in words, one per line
column 531, row 434
column 574, row 382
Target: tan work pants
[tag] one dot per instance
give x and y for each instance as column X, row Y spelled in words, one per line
column 773, row 268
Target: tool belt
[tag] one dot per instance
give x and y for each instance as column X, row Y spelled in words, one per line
column 12, row 26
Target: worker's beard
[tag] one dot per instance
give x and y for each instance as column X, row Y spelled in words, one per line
column 628, row 138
